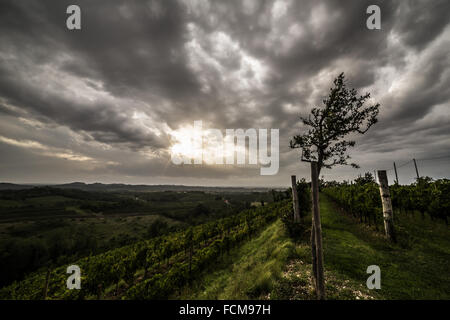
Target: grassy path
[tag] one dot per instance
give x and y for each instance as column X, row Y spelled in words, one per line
column 418, row 267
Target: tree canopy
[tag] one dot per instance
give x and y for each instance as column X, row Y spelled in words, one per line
column 343, row 113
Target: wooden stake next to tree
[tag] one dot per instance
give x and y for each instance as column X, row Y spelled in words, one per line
column 387, row 205
column 314, row 254
column 320, row 286
column 99, row 291
column 47, row 278
column 295, row 200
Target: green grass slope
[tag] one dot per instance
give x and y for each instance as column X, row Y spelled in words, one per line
column 417, row 267
column 250, row 271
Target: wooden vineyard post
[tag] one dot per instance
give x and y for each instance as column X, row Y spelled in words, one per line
column 415, row 166
column 295, row 199
column 396, row 175
column 387, row 205
column 47, row 278
column 317, row 229
column 190, row 260
column 314, row 253
column 99, row 291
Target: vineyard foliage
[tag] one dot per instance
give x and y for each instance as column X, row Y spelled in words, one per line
column 362, row 198
column 304, row 199
column 151, row 269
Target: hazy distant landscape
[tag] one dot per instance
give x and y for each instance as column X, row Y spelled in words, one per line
column 135, row 188
column 43, row 226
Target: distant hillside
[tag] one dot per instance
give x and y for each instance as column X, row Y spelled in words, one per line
column 12, row 186
column 134, row 188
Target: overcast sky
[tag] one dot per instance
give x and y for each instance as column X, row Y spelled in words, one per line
column 104, row 103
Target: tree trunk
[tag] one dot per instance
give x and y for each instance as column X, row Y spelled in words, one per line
column 320, row 287
column 387, row 205
column 295, row 201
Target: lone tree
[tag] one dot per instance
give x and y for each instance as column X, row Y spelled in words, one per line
column 324, row 145
column 343, row 113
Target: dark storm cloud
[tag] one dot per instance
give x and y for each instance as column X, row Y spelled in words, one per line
column 337, row 31
column 112, row 51
column 421, row 21
column 140, row 68
column 103, row 122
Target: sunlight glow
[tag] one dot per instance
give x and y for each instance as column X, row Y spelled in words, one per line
column 207, row 145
